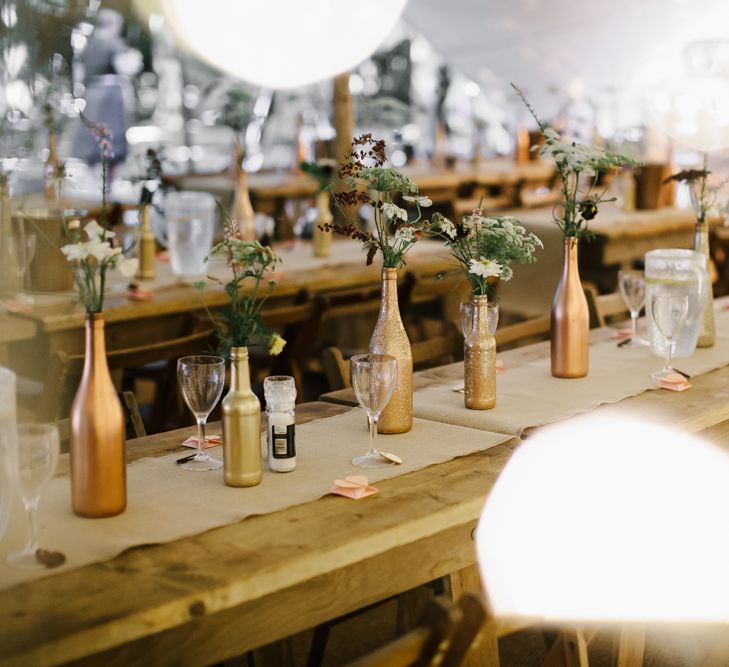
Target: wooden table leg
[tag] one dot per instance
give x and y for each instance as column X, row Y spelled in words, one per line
column 485, row 653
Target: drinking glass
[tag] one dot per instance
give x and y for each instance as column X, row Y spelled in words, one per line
column 492, row 316
column 632, row 289
column 669, row 314
column 201, row 379
column 190, row 227
column 24, row 242
column 373, row 379
column 36, row 459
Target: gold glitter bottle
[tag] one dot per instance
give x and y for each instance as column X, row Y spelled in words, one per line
column 707, row 331
column 479, row 357
column 389, row 337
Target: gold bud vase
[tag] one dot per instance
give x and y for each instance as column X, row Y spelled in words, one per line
column 322, row 240
column 147, row 248
column 479, row 358
column 241, row 425
column 707, row 330
column 98, row 465
column 570, row 319
column 389, row 337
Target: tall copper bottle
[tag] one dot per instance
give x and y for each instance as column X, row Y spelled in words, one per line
column 322, row 241
column 98, row 466
column 707, row 330
column 241, row 425
column 570, row 319
column 479, row 359
column 389, row 337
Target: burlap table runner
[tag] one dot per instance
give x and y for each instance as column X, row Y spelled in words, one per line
column 167, row 503
column 529, row 396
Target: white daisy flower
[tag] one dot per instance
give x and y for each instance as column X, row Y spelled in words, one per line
column 485, row 267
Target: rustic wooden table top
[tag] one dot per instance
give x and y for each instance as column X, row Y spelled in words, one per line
column 217, row 594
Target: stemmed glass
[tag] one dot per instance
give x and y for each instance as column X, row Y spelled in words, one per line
column 201, row 379
column 632, row 289
column 492, row 317
column 669, row 314
column 24, row 246
column 373, row 378
column 36, row 459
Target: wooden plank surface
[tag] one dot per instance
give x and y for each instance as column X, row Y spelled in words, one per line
column 213, row 595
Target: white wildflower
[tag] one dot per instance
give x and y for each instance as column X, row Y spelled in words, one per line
column 404, row 235
column 96, row 233
column 128, row 267
column 420, row 200
column 101, row 250
column 75, row 252
column 449, row 229
column 394, row 212
column 485, row 267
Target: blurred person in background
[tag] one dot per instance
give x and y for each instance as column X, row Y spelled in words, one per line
column 105, row 62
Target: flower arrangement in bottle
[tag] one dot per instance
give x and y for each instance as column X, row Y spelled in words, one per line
column 241, row 322
column 394, row 232
column 485, row 246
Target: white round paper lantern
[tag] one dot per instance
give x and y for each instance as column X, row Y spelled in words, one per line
column 281, row 43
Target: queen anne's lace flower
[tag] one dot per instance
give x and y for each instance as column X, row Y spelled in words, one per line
column 420, row 200
column 394, row 212
column 404, row 235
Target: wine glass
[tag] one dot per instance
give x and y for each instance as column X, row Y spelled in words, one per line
column 201, row 379
column 669, row 314
column 24, row 245
column 36, row 459
column 632, row 289
column 373, row 378
column 492, row 317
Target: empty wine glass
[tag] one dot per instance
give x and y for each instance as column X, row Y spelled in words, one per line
column 632, row 289
column 373, row 378
column 492, row 317
column 36, row 459
column 24, row 242
column 669, row 314
column 201, row 379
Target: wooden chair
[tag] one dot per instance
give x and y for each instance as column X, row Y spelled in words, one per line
column 64, row 370
column 433, row 303
column 523, row 333
column 421, row 646
column 299, row 323
column 426, row 354
column 605, row 308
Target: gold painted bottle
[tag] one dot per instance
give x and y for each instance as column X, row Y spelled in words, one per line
column 479, row 358
column 707, row 330
column 570, row 319
column 98, row 465
column 241, row 425
column 389, row 337
column 147, row 248
column 322, row 241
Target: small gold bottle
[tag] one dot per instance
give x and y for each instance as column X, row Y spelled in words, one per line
column 241, row 425
column 147, row 248
column 479, row 358
column 322, row 241
column 707, row 331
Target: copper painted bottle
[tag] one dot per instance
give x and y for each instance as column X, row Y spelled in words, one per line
column 98, row 465
column 322, row 241
column 479, row 358
column 147, row 248
column 570, row 319
column 707, row 330
column 389, row 337
column 241, row 425
column 242, row 210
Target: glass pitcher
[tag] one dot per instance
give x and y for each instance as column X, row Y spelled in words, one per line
column 190, row 227
column 678, row 271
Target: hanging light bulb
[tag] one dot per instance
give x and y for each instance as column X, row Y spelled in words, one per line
column 281, row 43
